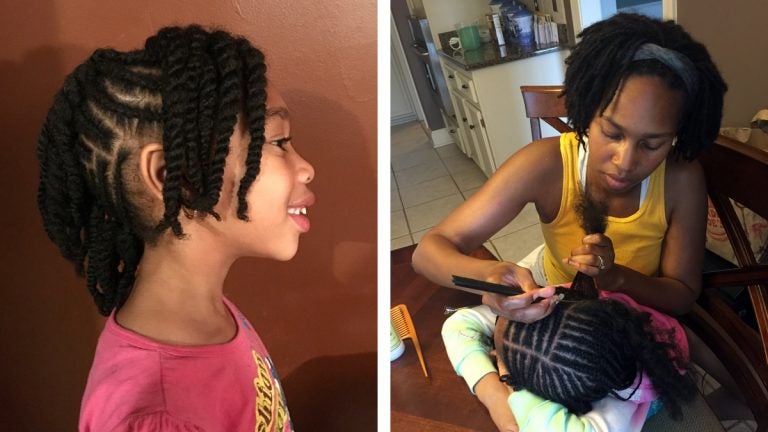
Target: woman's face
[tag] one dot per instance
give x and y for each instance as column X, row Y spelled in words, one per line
column 633, row 136
column 279, row 196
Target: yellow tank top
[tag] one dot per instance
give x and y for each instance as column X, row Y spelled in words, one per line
column 636, row 239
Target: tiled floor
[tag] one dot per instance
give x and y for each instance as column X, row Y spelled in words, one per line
column 428, row 183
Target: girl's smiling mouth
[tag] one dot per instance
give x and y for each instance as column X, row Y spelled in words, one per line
column 298, row 212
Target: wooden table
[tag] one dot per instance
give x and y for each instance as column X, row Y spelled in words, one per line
column 441, row 402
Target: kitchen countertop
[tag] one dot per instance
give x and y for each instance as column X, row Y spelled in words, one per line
column 490, row 54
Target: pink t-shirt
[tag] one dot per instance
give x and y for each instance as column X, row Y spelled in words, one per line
column 136, row 384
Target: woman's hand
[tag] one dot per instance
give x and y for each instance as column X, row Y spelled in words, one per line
column 594, row 257
column 520, row 307
column 494, row 394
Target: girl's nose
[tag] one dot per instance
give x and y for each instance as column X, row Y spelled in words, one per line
column 305, row 170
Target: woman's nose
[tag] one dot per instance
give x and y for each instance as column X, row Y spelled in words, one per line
column 624, row 156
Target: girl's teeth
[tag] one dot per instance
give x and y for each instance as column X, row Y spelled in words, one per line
column 302, row 210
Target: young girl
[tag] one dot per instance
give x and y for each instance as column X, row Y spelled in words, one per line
column 644, row 100
column 159, row 168
column 602, row 364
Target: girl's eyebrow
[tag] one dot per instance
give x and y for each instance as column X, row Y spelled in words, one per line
column 645, row 136
column 281, row 112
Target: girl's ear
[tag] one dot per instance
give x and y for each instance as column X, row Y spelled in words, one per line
column 152, row 169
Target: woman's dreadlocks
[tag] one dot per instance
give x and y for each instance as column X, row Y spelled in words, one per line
column 604, row 59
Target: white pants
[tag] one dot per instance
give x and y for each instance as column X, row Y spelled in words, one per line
column 534, row 261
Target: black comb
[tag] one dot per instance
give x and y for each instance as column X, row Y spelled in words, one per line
column 479, row 285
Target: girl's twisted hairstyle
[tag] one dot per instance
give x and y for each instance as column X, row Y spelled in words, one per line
column 184, row 89
column 604, row 58
column 589, row 348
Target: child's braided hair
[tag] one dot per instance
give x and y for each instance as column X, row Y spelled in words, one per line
column 588, row 349
column 185, row 89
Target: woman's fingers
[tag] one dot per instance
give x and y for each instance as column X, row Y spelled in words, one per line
column 522, row 307
column 594, row 256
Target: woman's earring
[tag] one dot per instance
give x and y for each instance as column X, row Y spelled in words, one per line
column 190, row 214
column 674, row 141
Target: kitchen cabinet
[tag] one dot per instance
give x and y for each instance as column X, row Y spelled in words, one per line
column 478, row 136
column 490, row 118
column 471, row 134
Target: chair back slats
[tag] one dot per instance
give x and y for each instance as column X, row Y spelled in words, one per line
column 734, row 170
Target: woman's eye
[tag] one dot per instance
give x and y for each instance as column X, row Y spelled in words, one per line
column 281, row 143
column 651, row 147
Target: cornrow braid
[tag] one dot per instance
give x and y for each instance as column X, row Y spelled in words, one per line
column 589, row 348
column 185, row 89
column 601, row 62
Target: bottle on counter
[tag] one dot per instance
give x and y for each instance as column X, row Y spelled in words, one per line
column 519, row 23
column 495, row 29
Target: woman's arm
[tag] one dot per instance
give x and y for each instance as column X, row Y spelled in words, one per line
column 678, row 284
column 533, row 174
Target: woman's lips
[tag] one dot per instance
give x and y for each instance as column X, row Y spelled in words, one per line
column 617, row 183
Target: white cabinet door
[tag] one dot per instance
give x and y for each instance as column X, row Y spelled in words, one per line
column 461, row 122
column 476, row 128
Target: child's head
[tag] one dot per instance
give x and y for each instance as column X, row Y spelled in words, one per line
column 135, row 139
column 586, row 350
column 629, row 45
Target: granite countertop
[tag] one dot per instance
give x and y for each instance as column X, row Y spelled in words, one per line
column 490, row 54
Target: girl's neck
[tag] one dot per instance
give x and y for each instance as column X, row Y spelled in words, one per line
column 178, row 294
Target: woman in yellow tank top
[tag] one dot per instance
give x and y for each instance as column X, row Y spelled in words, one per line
column 644, row 100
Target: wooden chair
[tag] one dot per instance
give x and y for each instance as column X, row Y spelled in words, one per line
column 735, row 171
column 543, row 103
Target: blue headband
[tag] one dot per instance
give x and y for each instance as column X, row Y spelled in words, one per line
column 676, row 61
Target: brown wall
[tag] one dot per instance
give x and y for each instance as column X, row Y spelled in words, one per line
column 316, row 313
column 734, row 33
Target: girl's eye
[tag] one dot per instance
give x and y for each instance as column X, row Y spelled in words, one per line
column 281, row 143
